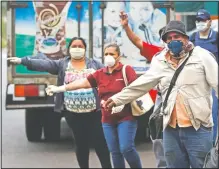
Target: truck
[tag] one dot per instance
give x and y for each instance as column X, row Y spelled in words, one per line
column 47, row 27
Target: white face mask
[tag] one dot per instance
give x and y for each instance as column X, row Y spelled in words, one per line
column 77, row 53
column 202, row 26
column 109, row 61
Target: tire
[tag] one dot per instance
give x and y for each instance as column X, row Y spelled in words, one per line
column 33, row 125
column 51, row 125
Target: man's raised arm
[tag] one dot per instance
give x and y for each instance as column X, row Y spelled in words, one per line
column 131, row 35
column 147, row 50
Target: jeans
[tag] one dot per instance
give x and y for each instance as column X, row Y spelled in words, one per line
column 87, row 130
column 120, row 141
column 215, row 115
column 185, row 147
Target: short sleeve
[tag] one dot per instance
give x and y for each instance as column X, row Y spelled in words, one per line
column 148, row 50
column 93, row 78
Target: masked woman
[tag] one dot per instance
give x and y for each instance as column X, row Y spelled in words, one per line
column 81, row 107
column 119, row 127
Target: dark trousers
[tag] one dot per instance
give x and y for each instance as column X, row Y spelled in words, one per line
column 87, row 130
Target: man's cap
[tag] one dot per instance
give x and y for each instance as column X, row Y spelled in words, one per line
column 174, row 26
column 203, row 14
column 161, row 31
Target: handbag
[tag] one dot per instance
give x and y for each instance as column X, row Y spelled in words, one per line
column 211, row 159
column 156, row 119
column 142, row 104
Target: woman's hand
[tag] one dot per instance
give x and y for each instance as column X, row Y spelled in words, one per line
column 109, row 104
column 14, row 60
column 50, row 90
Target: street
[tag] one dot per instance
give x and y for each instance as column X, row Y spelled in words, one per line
column 17, row 152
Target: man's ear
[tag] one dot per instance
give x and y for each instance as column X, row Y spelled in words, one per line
column 186, row 37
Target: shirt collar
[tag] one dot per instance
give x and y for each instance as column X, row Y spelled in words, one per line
column 118, row 68
column 162, row 54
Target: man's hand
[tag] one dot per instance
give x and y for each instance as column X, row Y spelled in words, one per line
column 14, row 60
column 109, row 104
column 50, row 90
column 124, row 19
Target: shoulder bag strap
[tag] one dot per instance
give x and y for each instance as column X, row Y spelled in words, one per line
column 174, row 78
column 124, row 75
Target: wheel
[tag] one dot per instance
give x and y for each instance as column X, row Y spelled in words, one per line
column 51, row 125
column 33, row 125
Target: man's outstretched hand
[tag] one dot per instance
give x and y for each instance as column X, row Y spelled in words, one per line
column 109, row 104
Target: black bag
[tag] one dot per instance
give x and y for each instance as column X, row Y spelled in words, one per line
column 156, row 119
column 211, row 159
column 156, row 124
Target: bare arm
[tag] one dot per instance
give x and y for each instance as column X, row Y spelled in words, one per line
column 147, row 50
column 78, row 84
column 131, row 35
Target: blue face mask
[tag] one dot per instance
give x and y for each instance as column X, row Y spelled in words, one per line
column 175, row 47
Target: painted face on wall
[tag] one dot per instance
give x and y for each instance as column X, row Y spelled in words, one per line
column 113, row 10
column 141, row 11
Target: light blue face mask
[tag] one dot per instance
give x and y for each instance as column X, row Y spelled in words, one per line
column 175, row 47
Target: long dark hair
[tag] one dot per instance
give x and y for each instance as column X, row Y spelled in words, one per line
column 76, row 38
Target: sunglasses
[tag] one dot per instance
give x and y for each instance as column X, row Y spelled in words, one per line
column 200, row 20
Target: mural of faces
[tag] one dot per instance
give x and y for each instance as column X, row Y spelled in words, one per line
column 141, row 11
column 112, row 12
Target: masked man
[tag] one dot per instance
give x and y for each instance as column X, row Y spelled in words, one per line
column 187, row 119
column 207, row 38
